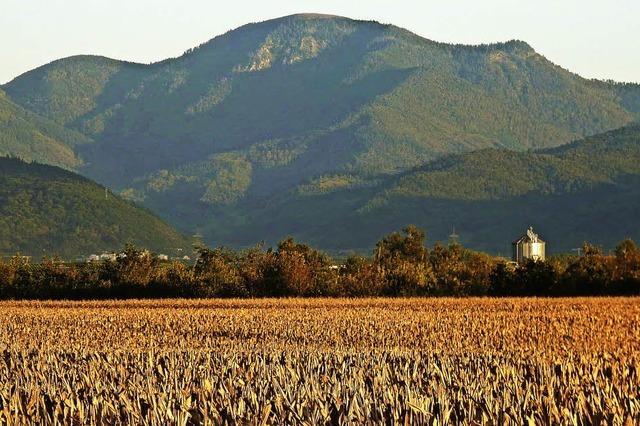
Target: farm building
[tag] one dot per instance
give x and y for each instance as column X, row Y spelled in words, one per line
column 529, row 246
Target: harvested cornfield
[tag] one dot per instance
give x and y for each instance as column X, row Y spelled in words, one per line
column 321, row 361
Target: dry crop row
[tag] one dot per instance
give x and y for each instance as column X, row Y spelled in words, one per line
column 419, row 361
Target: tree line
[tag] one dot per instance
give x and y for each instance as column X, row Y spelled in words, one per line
column 401, row 265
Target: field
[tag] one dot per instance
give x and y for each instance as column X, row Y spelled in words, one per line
column 316, row 361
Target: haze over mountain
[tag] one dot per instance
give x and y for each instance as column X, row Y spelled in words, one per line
column 45, row 210
column 231, row 138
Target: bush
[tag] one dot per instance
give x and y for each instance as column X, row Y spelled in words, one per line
column 217, row 275
column 360, row 278
column 401, row 265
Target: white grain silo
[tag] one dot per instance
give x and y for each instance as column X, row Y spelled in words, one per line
column 529, row 246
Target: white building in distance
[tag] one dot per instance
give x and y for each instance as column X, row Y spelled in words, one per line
column 529, row 246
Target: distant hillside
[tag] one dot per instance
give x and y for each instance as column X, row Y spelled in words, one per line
column 34, row 138
column 45, row 210
column 317, row 106
column 585, row 191
column 498, row 174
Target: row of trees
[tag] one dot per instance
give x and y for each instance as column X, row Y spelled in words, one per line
column 401, row 266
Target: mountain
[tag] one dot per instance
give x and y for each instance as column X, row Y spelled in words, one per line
column 230, row 130
column 35, row 138
column 45, row 210
column 348, row 94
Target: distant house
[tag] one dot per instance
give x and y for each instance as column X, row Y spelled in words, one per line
column 108, row 257
column 163, row 257
column 529, row 246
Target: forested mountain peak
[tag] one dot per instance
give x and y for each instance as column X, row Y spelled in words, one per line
column 305, row 103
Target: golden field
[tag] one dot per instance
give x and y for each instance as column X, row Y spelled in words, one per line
column 318, row 361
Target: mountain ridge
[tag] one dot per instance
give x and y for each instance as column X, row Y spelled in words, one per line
column 264, row 110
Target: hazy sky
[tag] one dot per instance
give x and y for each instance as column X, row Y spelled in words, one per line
column 595, row 38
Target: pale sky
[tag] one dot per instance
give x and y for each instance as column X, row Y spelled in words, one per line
column 594, row 38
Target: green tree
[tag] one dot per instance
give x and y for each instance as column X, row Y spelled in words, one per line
column 409, row 246
column 217, row 275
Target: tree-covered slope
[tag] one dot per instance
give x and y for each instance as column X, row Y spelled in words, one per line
column 26, row 135
column 584, row 191
column 495, row 174
column 254, row 133
column 45, row 210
